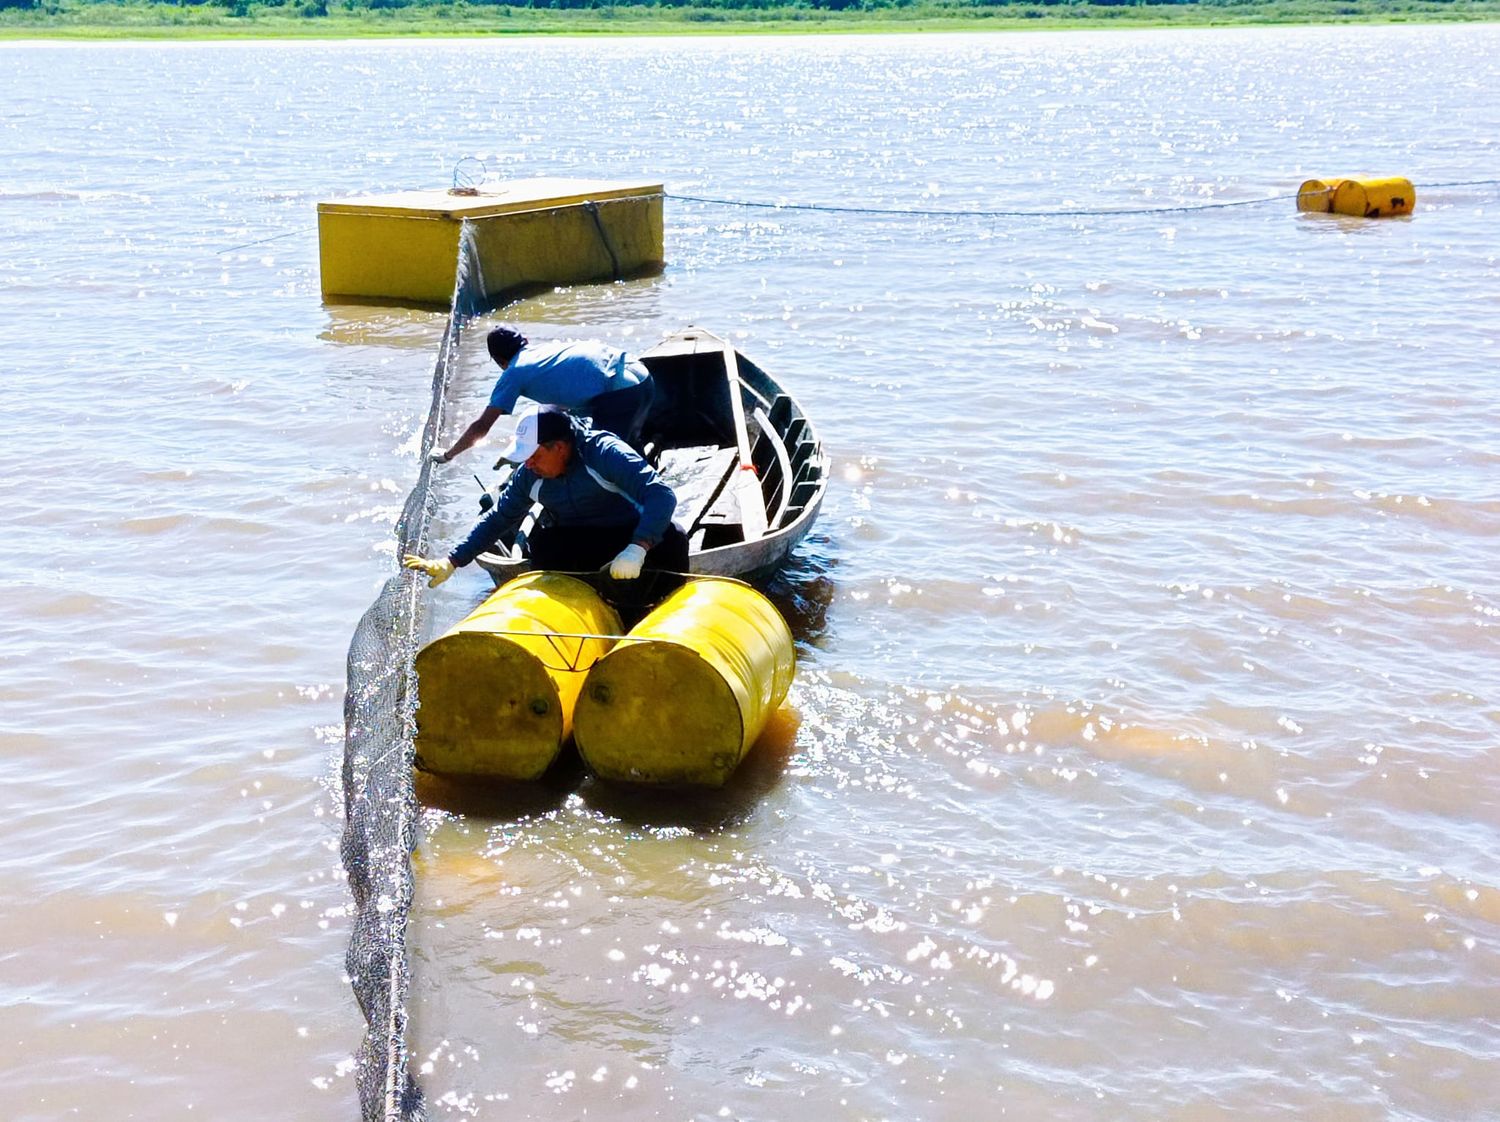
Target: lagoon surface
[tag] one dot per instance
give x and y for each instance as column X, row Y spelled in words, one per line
column 1143, row 755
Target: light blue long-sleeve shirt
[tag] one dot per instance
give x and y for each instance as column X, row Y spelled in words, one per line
column 571, row 375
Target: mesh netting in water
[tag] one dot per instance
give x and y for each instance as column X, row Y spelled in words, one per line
column 380, row 806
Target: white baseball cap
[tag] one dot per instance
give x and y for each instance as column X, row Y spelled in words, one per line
column 535, row 426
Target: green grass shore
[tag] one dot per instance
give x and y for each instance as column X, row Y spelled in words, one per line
column 312, row 19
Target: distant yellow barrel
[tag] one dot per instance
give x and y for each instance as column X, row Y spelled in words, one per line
column 681, row 699
column 496, row 692
column 1374, row 198
column 1361, row 198
column 1316, row 195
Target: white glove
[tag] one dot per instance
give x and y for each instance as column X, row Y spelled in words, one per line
column 437, row 571
column 438, row 456
column 627, row 563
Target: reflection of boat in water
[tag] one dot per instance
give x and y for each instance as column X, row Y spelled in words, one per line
column 748, row 469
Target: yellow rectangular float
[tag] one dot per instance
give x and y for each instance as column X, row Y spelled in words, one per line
column 404, row 246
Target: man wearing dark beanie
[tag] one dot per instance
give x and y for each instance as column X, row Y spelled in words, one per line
column 608, row 386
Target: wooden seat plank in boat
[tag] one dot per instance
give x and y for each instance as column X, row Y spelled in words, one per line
column 697, row 475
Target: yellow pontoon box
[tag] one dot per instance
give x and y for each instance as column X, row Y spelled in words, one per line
column 404, row 246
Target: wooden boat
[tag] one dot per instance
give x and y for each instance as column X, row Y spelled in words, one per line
column 747, row 466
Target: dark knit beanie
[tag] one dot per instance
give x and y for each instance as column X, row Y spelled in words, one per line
column 504, row 344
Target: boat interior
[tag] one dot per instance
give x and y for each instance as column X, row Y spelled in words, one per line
column 690, row 436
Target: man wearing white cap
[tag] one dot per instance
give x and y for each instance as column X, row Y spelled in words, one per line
column 603, row 504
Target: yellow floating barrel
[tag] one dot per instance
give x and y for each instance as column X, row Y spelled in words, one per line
column 1316, row 195
column 496, row 692
column 1360, row 198
column 682, row 698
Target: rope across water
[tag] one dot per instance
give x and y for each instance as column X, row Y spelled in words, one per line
column 1058, row 212
column 925, row 212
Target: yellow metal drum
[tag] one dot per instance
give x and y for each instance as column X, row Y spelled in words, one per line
column 496, row 692
column 684, row 695
column 1374, row 198
column 1316, row 195
column 1360, row 198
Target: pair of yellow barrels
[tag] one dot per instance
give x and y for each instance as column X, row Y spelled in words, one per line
column 1361, row 198
column 677, row 701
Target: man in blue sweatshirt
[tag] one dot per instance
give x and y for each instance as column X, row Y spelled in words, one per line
column 603, row 503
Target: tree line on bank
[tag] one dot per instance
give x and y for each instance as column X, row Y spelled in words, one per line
column 322, row 7
column 78, row 10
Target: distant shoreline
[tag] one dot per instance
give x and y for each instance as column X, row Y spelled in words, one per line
column 61, row 20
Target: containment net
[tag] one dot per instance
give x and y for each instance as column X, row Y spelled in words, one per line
column 380, row 824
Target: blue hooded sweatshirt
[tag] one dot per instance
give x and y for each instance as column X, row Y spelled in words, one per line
column 606, row 483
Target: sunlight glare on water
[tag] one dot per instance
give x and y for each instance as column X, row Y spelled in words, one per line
column 1140, row 761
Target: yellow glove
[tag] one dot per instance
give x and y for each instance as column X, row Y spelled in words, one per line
column 437, row 571
column 627, row 563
